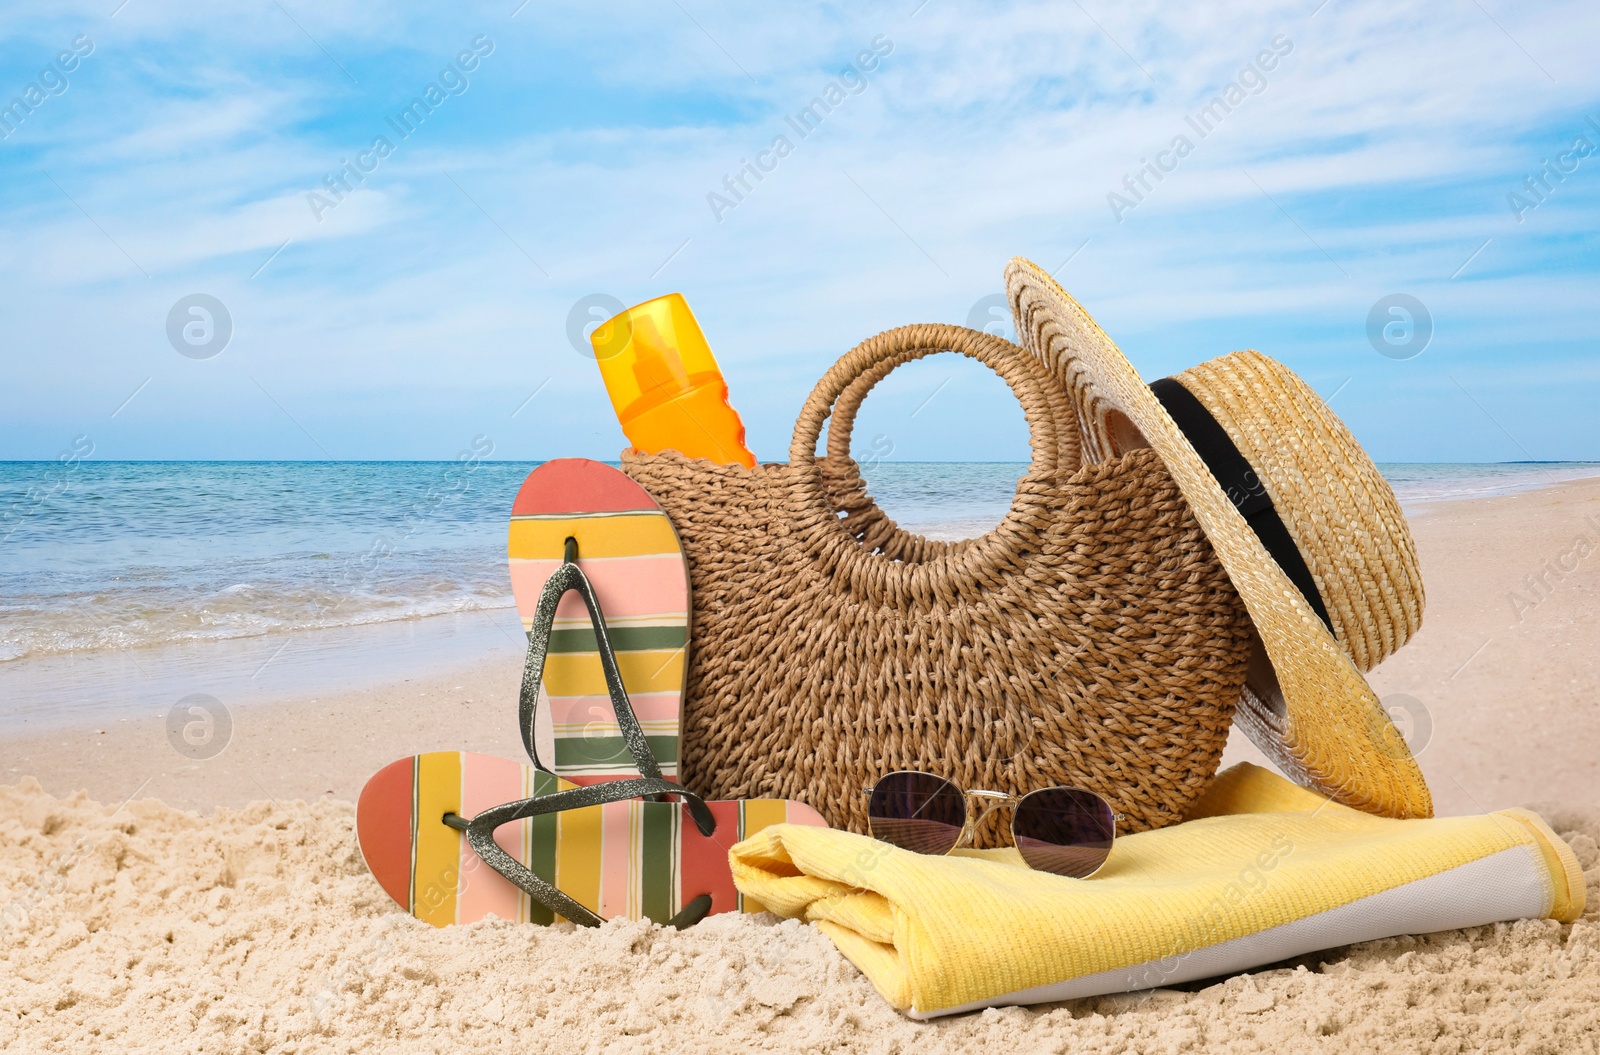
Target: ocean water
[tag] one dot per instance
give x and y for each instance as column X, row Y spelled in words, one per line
column 98, row 556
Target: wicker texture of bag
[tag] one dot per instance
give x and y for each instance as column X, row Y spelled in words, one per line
column 1091, row 639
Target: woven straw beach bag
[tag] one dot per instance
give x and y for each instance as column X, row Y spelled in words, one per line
column 1091, row 639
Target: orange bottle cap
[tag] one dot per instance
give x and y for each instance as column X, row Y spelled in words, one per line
column 652, row 352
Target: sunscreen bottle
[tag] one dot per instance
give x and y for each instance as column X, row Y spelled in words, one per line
column 665, row 385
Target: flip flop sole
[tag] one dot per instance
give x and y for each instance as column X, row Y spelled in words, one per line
column 634, row 859
column 628, row 549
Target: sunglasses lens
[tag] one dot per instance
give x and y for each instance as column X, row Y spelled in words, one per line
column 1064, row 830
column 917, row 811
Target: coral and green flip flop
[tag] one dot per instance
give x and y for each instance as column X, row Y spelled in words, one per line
column 455, row 837
column 635, row 859
column 630, row 553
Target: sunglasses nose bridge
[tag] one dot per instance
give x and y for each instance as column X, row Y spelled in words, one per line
column 989, row 801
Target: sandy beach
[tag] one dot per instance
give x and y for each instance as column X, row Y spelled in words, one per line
column 215, row 900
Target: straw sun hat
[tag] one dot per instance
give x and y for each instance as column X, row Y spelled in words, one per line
column 1306, row 527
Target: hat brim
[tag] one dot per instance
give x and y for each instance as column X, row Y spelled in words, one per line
column 1311, row 711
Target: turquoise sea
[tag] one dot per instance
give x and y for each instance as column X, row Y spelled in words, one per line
column 98, row 556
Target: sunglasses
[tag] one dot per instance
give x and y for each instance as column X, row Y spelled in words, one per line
column 1066, row 831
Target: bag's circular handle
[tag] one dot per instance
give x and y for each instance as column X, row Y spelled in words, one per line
column 842, row 389
column 837, row 398
column 841, row 422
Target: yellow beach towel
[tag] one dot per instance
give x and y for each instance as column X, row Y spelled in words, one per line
column 1264, row 870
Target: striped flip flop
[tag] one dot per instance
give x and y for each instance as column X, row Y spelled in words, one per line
column 635, row 859
column 630, row 554
column 455, row 837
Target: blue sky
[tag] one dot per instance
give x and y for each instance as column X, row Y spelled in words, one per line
column 1376, row 156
